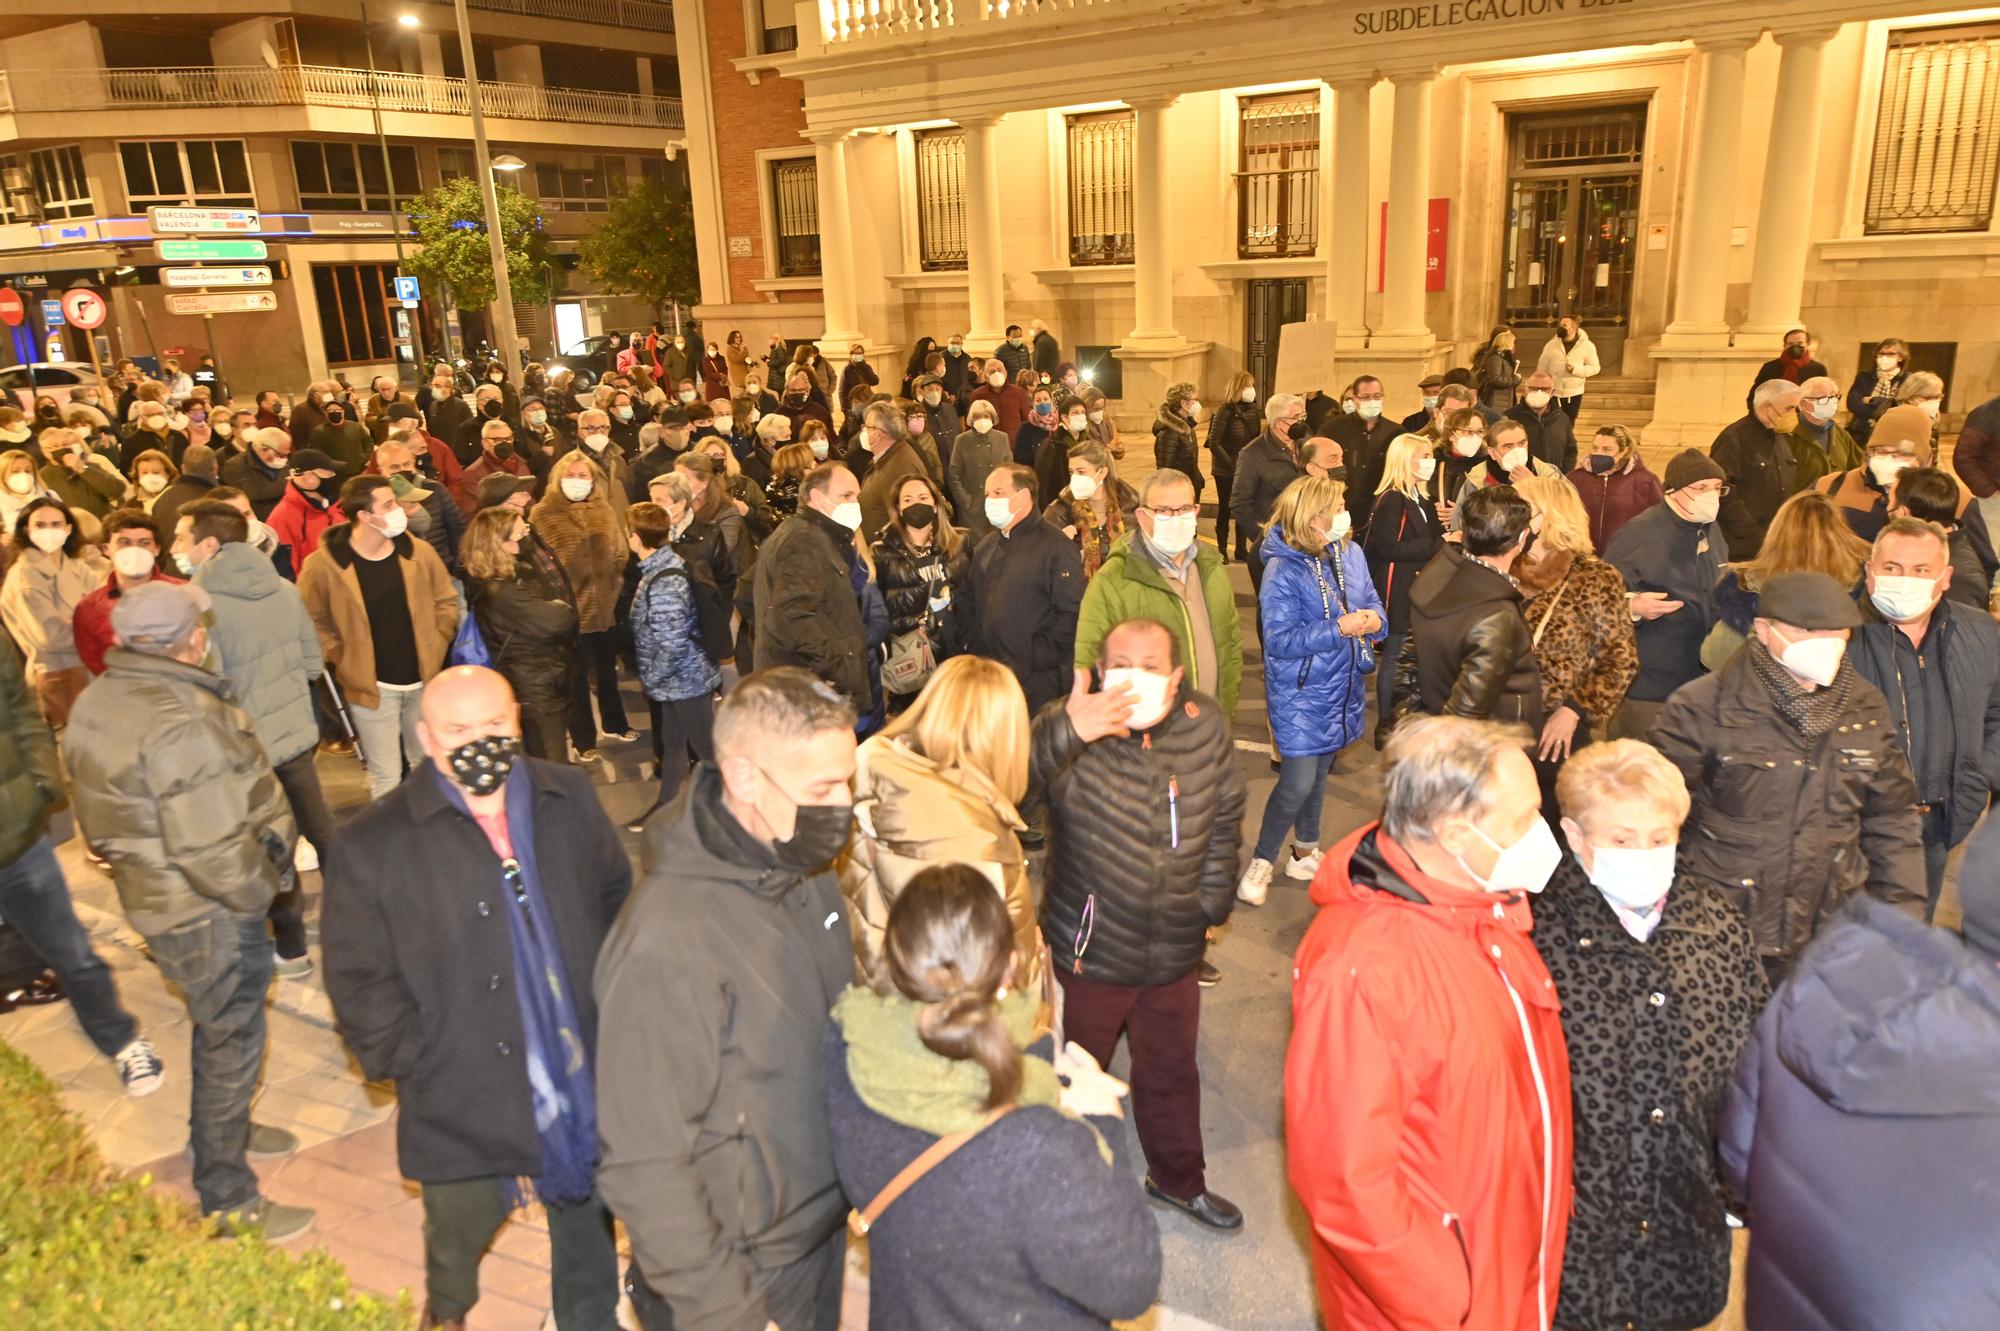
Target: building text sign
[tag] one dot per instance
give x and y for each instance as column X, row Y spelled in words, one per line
column 223, row 302
column 181, row 221
column 1387, row 20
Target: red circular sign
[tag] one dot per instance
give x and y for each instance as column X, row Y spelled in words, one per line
column 83, row 307
column 12, row 311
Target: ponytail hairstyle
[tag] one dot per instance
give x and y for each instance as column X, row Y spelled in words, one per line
column 950, row 946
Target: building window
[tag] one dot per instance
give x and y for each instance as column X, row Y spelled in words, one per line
column 580, row 185
column 355, row 304
column 195, row 172
column 795, row 210
column 1100, row 188
column 1937, row 132
column 454, row 164
column 1277, row 178
column 60, row 185
column 941, row 199
column 347, row 177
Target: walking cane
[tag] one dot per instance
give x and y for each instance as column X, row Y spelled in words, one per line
column 341, row 715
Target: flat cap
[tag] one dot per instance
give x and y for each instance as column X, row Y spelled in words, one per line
column 1807, row 600
column 156, row 615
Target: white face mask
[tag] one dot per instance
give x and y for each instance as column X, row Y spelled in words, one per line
column 1514, row 459
column 1247, row 395
column 21, row 483
column 1193, row 410
column 1149, row 694
column 576, row 489
column 982, row 425
column 1369, row 410
column 1338, row 526
column 1468, row 445
column 1172, row 536
column 1902, row 599
column 999, row 512
column 997, row 379
column 48, row 539
column 1430, row 404
column 1702, row 507
column 1537, row 399
column 1637, row 878
column 1347, row 406
column 1886, row 364
column 133, row 561
column 1426, row 468
column 1082, row 487
column 1096, row 417
column 395, row 522
column 818, row 447
column 596, row 442
column 1524, row 866
column 1885, row 466
column 854, row 359
column 257, row 532
column 152, row 482
column 1930, row 406
column 848, row 514
column 686, row 395
column 1077, row 424
column 1821, row 408
column 1814, row 659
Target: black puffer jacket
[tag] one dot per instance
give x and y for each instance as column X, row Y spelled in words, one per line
column 1174, row 446
column 529, row 635
column 1148, row 827
column 1653, row 1031
column 1790, row 825
column 1469, row 652
column 909, row 580
column 1230, row 431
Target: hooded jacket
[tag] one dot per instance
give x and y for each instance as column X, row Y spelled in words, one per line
column 1427, row 1101
column 1130, row 586
column 1314, row 689
column 332, row 595
column 1145, row 831
column 270, row 651
column 1861, row 1126
column 1469, row 652
column 713, row 991
column 171, row 786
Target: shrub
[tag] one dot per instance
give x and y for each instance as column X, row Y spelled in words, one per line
column 81, row 1248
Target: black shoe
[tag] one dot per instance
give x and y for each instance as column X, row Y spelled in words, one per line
column 1207, row 1209
column 1209, row 977
column 1032, row 840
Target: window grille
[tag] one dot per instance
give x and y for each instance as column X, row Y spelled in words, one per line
column 1100, row 188
column 1278, row 176
column 941, row 199
column 795, row 209
column 1936, row 145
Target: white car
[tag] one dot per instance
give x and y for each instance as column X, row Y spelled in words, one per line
column 54, row 379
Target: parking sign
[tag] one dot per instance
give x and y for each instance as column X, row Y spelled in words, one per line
column 406, row 289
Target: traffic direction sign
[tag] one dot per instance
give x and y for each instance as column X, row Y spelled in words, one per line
column 199, row 251
column 186, row 220
column 216, row 277
column 223, row 302
column 83, row 307
column 12, row 311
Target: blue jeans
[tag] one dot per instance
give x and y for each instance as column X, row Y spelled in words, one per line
column 387, row 736
column 1294, row 804
column 222, row 965
column 35, row 900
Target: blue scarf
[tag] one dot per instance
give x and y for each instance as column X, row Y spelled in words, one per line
column 559, row 1073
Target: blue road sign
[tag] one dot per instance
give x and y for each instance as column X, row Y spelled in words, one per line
column 406, row 289
column 52, row 314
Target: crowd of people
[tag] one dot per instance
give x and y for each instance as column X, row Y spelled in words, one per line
column 949, row 801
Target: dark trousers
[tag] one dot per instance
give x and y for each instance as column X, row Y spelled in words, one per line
column 36, row 901
column 288, row 909
column 222, row 965
column 1223, row 482
column 597, row 664
column 1386, row 657
column 1937, row 850
column 678, row 728
column 543, row 730
column 460, row 1220
column 1160, row 1023
column 1570, row 406
column 800, row 1296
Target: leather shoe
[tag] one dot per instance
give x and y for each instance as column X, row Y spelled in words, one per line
column 1207, row 1209
column 430, row 1323
column 43, row 989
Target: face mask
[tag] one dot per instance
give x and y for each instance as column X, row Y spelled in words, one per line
column 576, row 489
column 334, row 416
column 1514, row 459
column 538, row 418
column 796, row 397
column 1886, row 364
column 1368, row 411
column 185, row 564
column 1537, row 399
column 1901, row 599
column 1884, row 467
column 257, row 531
column 1096, row 417
column 1045, row 409
column 1524, row 866
column 847, row 515
column 1172, row 536
column 1703, row 507
column 1426, row 468
column 932, row 399
column 686, row 395
column 1338, row 526
column 919, row 516
column 1082, row 487
column 1814, row 659
column 597, row 442
column 21, row 483
column 999, row 512
column 1078, row 424
column 1786, row 421
column 1821, row 408
column 1796, row 351
column 1930, row 407
column 222, row 428
column 152, row 482
column 49, row 539
column 1247, row 395
column 956, row 349
column 495, row 378
column 395, row 522
column 997, row 380
column 818, row 447
column 1467, row 445
column 1634, row 877
column 861, row 442
column 917, row 424
column 819, row 833
column 1599, row 463
column 982, row 426
column 132, row 561
column 1193, row 410
column 1430, row 404
column 482, row 765
column 854, row 359
column 1347, row 407
column 623, row 413
column 504, row 449
column 753, row 388
column 158, row 424
column 1149, row 694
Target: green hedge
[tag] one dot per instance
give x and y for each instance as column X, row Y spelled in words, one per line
column 82, row 1249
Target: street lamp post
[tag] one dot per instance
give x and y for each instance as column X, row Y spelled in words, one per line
column 388, row 167
column 505, row 334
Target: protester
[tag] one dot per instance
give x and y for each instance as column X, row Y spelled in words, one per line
column 1614, row 484
column 806, row 609
column 1570, row 358
column 172, row 787
column 919, row 560
column 1900, row 441
column 1821, row 445
column 496, row 455
column 1469, row 652
column 307, row 511
column 52, row 573
column 1174, row 445
column 85, row 481
column 676, row 672
column 528, row 627
column 1669, row 557
column 259, row 471
column 1402, row 535
column 196, row 480
column 1427, row 1095
column 1023, row 591
column 579, row 519
column 434, row 515
column 1579, row 622
column 974, row 455
column 1092, row 506
column 1008, row 400
column 488, row 1028
column 893, row 459
column 1506, row 461
column 1930, row 494
column 1755, row 454
column 1364, row 440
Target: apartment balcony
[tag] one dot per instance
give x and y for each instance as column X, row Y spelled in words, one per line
column 646, row 15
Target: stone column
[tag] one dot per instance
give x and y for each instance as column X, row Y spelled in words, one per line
column 1409, row 208
column 1347, row 221
column 1784, row 210
column 985, row 283
column 1152, row 240
column 836, row 254
column 1711, row 192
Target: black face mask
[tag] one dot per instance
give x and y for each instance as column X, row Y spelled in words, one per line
column 481, row 765
column 819, row 834
column 1336, row 474
column 503, row 451
column 490, row 410
column 919, row 516
column 334, row 415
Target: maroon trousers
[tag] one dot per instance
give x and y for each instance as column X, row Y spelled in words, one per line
column 1160, row 1023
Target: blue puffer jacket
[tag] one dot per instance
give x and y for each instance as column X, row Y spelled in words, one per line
column 1313, row 685
column 666, row 630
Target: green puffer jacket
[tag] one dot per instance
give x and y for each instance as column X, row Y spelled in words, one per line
column 173, row 788
column 270, row 650
column 1130, row 586
column 29, row 785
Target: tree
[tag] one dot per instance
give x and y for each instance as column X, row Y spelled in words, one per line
column 644, row 247
column 452, row 248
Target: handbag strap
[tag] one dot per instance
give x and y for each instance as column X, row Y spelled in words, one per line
column 1550, row 613
column 861, row 1221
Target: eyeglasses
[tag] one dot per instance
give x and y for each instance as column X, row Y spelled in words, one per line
column 1188, row 512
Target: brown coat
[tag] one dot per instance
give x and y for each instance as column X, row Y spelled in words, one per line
column 589, row 541
column 1587, row 651
column 885, row 478
column 332, row 593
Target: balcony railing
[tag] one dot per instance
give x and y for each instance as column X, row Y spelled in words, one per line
column 650, row 15
column 846, row 21
column 325, row 85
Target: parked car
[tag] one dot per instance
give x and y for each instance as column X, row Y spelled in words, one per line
column 590, row 360
column 55, row 379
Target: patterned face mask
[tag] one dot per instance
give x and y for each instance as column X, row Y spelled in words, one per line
column 481, row 765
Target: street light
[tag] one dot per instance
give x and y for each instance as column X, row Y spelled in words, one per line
column 508, row 162
column 509, row 339
column 408, row 21
column 389, row 170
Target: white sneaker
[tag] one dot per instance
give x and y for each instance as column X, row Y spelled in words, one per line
column 1256, row 883
column 305, row 859
column 1303, row 866
column 140, row 1068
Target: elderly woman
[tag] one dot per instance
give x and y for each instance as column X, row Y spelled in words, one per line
column 152, row 472
column 1094, row 508
column 50, row 575
column 1578, row 618
column 1321, row 620
column 20, row 485
column 974, row 455
column 586, row 532
column 1174, row 436
column 773, row 431
column 1877, row 387
column 1807, row 533
column 1660, row 986
column 530, row 635
column 1614, row 484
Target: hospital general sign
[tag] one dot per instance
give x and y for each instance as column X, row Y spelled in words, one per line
column 1389, row 20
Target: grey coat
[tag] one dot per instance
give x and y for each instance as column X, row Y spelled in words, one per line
column 270, row 651
column 973, row 458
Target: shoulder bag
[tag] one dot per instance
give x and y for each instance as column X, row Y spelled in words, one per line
column 861, row 1221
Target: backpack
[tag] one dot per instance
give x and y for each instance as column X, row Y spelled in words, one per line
column 711, row 608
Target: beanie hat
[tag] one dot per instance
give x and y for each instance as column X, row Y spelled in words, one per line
column 1690, row 466
column 1905, row 424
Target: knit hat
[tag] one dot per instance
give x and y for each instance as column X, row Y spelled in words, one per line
column 1905, row 424
column 1690, row 466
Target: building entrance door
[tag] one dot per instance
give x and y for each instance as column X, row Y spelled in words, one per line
column 1572, row 224
column 1273, row 303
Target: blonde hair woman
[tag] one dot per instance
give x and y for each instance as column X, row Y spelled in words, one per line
column 940, row 784
column 1614, row 483
column 1808, row 532
column 1579, row 619
column 1404, row 532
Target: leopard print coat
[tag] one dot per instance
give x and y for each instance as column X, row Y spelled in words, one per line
column 1653, row 1030
column 1587, row 652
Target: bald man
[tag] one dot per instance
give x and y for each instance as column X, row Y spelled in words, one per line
column 464, row 911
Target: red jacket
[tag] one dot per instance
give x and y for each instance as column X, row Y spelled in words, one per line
column 1615, row 498
column 1010, row 406
column 299, row 524
column 1427, row 1101
column 466, row 488
column 92, row 621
